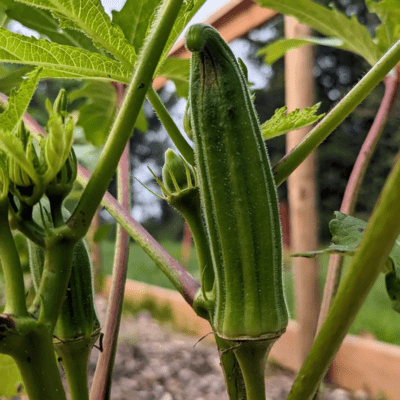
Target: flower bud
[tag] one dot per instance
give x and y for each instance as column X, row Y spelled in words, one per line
column 63, row 182
column 177, row 174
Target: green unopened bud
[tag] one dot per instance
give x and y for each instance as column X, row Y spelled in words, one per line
column 62, row 184
column 58, row 143
column 177, row 174
column 22, row 168
column 61, row 103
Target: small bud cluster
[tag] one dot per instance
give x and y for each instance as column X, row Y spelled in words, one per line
column 43, row 165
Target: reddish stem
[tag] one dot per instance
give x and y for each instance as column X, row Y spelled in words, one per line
column 354, row 183
column 102, row 381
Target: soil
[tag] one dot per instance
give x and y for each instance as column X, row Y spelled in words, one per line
column 154, row 362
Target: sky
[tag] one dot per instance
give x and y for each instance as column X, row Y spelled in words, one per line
column 208, row 8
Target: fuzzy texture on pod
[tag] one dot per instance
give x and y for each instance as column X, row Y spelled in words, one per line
column 238, row 193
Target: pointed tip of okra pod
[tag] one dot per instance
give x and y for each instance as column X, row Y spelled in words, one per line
column 195, row 38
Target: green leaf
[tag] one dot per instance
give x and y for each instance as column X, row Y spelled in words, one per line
column 331, row 23
column 43, row 22
column 280, row 123
column 59, row 61
column 97, row 115
column 279, row 48
column 347, row 232
column 10, row 377
column 89, row 16
column 177, row 70
column 135, row 18
column 18, row 102
column 388, row 32
column 186, row 13
column 11, row 79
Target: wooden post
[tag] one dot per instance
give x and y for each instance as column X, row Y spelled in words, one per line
column 299, row 89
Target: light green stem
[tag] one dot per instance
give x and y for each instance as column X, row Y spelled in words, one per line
column 292, row 160
column 54, row 281
column 233, row 375
column 34, row 355
column 381, row 233
column 126, row 119
column 75, row 362
column 252, row 357
column 12, row 270
column 174, row 133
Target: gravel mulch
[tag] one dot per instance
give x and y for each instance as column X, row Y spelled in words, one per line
column 155, row 363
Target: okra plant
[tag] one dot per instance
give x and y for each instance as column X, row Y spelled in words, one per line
column 221, row 182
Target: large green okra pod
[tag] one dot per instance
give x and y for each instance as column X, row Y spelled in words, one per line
column 238, row 194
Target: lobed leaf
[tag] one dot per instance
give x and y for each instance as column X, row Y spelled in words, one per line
column 347, row 232
column 12, row 78
column 331, row 23
column 59, row 61
column 177, row 70
column 279, row 48
column 97, row 115
column 388, row 32
column 18, row 102
column 43, row 22
column 89, row 16
column 135, row 19
column 280, row 123
column 186, row 13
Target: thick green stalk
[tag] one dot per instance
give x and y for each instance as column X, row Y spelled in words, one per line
column 337, row 115
column 75, row 362
column 30, row 343
column 126, row 119
column 12, row 271
column 252, row 357
column 173, row 132
column 233, row 375
column 378, row 240
column 56, row 273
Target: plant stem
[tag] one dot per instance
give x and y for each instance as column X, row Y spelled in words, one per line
column 233, row 375
column 55, row 277
column 126, row 119
column 34, row 354
column 294, row 158
column 76, row 368
column 12, row 270
column 252, row 357
column 101, row 386
column 176, row 273
column 354, row 183
column 369, row 260
column 173, row 131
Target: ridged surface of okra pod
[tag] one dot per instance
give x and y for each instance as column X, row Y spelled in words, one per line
column 238, row 194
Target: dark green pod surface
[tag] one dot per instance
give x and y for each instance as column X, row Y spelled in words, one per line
column 238, row 193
